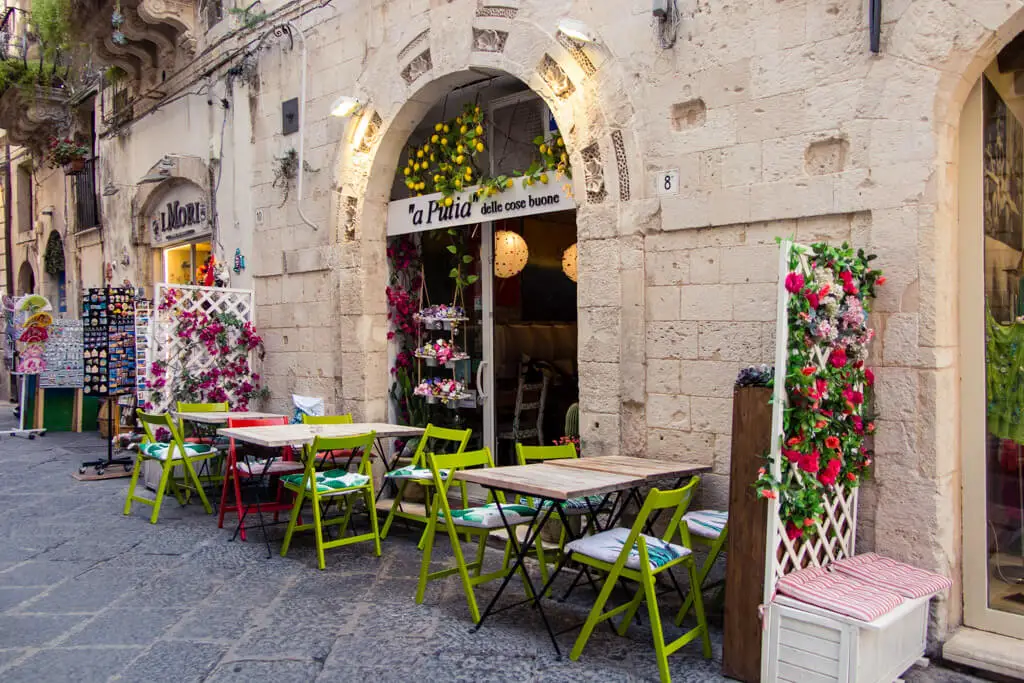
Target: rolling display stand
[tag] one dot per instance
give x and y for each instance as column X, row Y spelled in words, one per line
column 108, row 315
column 22, row 409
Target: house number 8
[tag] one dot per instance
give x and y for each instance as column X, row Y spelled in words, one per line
column 668, row 182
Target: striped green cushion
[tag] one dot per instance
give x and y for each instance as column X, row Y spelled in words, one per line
column 413, row 472
column 329, row 481
column 489, row 517
column 159, row 451
column 706, row 523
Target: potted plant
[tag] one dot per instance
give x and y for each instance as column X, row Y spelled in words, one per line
column 68, row 154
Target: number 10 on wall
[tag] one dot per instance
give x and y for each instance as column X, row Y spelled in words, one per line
column 668, row 182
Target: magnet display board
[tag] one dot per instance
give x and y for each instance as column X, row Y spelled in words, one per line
column 64, row 356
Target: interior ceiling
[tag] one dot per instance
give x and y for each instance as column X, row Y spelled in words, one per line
column 1011, row 57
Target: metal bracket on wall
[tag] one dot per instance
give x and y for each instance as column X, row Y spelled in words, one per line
column 290, row 116
column 875, row 25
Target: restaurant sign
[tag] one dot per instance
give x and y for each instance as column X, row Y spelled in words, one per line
column 181, row 215
column 429, row 212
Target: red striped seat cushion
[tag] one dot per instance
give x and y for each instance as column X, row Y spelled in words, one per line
column 907, row 580
column 838, row 593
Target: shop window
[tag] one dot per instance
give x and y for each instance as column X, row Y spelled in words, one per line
column 183, row 263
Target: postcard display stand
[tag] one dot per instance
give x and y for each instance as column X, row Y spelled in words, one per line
column 108, row 316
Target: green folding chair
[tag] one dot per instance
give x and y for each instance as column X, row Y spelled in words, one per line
column 709, row 529
column 631, row 554
column 337, row 485
column 470, row 522
column 418, row 472
column 169, row 455
column 345, row 419
column 210, row 439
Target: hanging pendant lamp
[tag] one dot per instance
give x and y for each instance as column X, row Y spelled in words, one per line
column 569, row 262
column 510, row 254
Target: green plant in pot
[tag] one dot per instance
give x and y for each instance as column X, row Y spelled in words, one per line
column 66, row 153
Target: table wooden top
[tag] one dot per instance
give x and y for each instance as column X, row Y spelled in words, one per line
column 548, row 481
column 624, row 464
column 277, row 436
column 220, row 417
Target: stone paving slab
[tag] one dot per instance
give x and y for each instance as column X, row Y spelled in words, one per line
column 88, row 594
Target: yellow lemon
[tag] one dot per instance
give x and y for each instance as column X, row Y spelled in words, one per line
column 463, row 130
column 544, row 178
column 438, row 127
column 561, row 142
column 459, row 149
column 432, row 157
column 564, row 157
column 508, row 183
column 543, row 149
column 419, row 154
column 458, row 183
column 426, row 148
column 459, row 159
column 446, row 129
column 469, row 174
column 477, row 110
column 479, row 129
column 407, row 171
column 444, row 141
column 479, row 146
column 448, row 201
column 434, row 139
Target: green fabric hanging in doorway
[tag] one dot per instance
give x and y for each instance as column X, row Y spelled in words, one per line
column 1004, row 370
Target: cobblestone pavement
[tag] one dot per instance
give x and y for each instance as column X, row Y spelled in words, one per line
column 87, row 594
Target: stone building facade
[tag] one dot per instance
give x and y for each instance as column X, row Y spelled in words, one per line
column 776, row 115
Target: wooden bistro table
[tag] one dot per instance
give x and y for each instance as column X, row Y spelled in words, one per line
column 298, row 435
column 222, row 417
column 550, row 486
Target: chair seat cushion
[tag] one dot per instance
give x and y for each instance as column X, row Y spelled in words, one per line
column 607, row 546
column 706, row 523
column 488, row 516
column 159, row 451
column 838, row 593
column 257, row 468
column 572, row 506
column 888, row 574
column 331, row 481
column 413, row 472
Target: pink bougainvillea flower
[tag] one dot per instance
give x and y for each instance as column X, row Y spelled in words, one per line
column 792, row 456
column 794, row 282
column 851, row 476
column 812, row 298
column 832, row 442
column 854, row 397
column 880, row 281
column 824, row 291
column 838, row 357
column 858, row 424
column 869, row 377
column 820, row 424
column 870, row 428
column 808, row 522
column 793, row 531
column 828, row 475
column 809, row 370
column 768, row 493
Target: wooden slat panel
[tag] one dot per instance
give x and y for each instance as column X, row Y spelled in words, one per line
column 550, row 481
column 803, row 628
column 809, row 659
column 792, row 672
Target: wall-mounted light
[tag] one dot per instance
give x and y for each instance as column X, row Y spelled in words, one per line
column 345, row 106
column 576, row 30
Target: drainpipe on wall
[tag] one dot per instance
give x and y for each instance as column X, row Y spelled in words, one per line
column 8, row 233
column 294, row 30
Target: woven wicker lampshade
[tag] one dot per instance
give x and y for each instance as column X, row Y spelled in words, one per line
column 569, row 262
column 510, row 254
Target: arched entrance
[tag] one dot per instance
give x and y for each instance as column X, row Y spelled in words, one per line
column 584, row 92
column 26, row 279
column 54, row 265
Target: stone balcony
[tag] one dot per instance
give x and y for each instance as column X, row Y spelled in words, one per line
column 158, row 35
column 31, row 116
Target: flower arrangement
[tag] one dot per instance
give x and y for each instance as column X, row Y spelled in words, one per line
column 223, row 337
column 438, row 388
column 64, row 151
column 826, row 422
column 403, row 296
column 442, row 351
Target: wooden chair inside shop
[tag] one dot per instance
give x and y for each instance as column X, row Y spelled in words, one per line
column 531, row 399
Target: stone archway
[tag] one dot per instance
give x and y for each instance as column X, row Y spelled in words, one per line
column 584, row 89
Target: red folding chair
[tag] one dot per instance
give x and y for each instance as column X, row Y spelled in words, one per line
column 248, row 469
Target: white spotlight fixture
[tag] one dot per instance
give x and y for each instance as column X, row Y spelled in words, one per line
column 576, row 30
column 345, row 106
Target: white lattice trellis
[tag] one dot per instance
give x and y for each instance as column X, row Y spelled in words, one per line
column 167, row 346
column 837, row 530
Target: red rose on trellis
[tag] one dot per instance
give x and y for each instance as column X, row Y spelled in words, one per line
column 825, row 421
